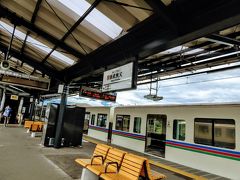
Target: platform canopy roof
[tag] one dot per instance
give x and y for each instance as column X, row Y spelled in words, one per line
column 77, row 40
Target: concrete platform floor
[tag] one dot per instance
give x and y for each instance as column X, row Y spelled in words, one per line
column 23, row 158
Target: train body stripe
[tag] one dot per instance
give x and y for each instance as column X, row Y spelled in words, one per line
column 206, row 147
column 120, row 133
column 206, row 150
column 98, row 128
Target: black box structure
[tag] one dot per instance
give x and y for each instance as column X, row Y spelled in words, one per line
column 72, row 131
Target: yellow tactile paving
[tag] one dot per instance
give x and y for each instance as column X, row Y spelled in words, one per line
column 176, row 170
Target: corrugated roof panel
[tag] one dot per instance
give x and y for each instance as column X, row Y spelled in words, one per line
column 71, row 17
column 18, row 8
column 38, row 45
column 82, row 48
column 117, row 14
column 138, row 13
column 55, row 62
column 167, row 2
column 95, row 17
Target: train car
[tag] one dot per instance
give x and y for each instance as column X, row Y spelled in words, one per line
column 202, row 136
column 98, row 122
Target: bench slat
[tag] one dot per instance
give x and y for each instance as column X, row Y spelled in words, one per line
column 114, row 155
column 101, row 149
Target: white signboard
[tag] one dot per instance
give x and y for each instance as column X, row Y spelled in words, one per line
column 118, row 78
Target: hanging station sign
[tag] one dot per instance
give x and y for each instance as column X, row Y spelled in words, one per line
column 96, row 94
column 24, row 80
column 120, row 78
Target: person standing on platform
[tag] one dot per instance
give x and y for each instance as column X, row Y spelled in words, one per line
column 7, row 114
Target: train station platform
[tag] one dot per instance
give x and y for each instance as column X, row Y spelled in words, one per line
column 22, row 158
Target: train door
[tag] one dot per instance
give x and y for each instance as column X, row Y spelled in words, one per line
column 156, row 134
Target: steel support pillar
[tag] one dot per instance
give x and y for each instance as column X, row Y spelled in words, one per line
column 3, row 99
column 60, row 121
column 20, row 105
column 32, row 106
column 20, row 115
column 1, row 93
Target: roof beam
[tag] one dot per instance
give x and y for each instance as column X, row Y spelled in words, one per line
column 128, row 5
column 32, row 62
column 223, row 40
column 89, row 10
column 32, row 21
column 161, row 62
column 193, row 60
column 151, row 36
column 198, row 46
column 190, row 67
column 15, row 19
column 163, row 12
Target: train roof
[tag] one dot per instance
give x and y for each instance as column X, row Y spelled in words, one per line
column 172, row 105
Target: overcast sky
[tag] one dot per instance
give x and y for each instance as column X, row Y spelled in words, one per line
column 204, row 88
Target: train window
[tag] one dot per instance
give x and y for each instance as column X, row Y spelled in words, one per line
column 215, row 132
column 179, row 128
column 203, row 131
column 122, row 122
column 93, row 119
column 137, row 125
column 227, row 137
column 101, row 120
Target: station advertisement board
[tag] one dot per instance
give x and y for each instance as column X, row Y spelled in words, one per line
column 120, row 78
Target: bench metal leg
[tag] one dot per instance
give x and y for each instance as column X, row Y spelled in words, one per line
column 88, row 175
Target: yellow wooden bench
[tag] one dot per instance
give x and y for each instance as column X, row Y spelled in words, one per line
column 35, row 126
column 151, row 174
column 130, row 169
column 28, row 124
column 112, row 162
column 39, row 125
column 98, row 156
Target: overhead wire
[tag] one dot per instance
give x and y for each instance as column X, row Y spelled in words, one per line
column 196, row 82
